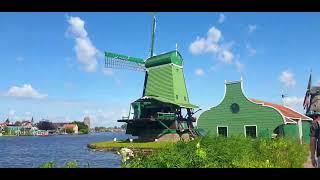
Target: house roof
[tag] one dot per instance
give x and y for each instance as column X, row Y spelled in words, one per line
column 287, row 112
column 69, row 126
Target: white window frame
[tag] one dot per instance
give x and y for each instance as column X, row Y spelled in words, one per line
column 244, row 129
column 223, row 126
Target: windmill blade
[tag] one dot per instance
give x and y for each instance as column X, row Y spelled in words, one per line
column 119, row 61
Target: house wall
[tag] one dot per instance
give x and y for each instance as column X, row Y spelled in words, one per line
column 306, row 131
column 265, row 118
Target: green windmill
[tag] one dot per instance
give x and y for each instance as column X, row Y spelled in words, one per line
column 164, row 111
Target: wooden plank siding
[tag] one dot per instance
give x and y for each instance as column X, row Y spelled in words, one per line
column 265, row 118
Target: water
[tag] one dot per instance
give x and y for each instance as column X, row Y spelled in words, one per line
column 32, row 151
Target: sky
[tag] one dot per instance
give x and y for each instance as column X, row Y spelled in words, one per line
column 52, row 64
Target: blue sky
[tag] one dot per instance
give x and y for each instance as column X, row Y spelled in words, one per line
column 52, row 63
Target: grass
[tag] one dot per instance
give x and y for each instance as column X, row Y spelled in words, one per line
column 111, row 145
column 231, row 152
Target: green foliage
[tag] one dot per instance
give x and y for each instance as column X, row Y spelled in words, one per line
column 50, row 164
column 68, row 164
column 69, row 131
column 82, row 128
column 71, row 164
column 220, row 152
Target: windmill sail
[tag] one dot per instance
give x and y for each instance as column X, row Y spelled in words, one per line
column 119, row 61
column 306, row 102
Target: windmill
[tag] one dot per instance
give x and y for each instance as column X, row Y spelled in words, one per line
column 164, row 109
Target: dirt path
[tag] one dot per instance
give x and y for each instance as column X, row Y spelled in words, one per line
column 308, row 164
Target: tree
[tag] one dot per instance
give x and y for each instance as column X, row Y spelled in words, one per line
column 69, row 131
column 45, row 125
column 7, row 121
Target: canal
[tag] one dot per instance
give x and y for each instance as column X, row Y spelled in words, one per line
column 32, row 151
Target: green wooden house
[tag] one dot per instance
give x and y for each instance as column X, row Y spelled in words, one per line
column 240, row 115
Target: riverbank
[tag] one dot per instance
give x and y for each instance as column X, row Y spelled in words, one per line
column 135, row 146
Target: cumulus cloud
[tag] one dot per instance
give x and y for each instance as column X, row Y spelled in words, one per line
column 287, row 78
column 222, row 18
column 86, row 52
column 199, row 72
column 212, row 44
column 294, row 102
column 252, row 28
column 25, row 91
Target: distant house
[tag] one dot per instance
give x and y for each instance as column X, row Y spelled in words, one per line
column 72, row 127
column 2, row 126
column 26, row 124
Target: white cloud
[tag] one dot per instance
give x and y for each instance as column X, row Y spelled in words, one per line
column 222, row 18
column 251, row 50
column 252, row 28
column 318, row 83
column 226, row 56
column 86, row 52
column 25, row 91
column 239, row 65
column 105, row 117
column 199, row 72
column 213, row 35
column 287, row 78
column 212, row 44
column 198, row 46
column 294, row 102
column 108, row 71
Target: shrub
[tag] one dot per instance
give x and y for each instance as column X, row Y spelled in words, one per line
column 50, row 164
column 68, row 164
column 220, row 152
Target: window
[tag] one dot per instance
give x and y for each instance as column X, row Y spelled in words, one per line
column 177, row 97
column 185, row 98
column 222, row 131
column 234, row 108
column 250, row 131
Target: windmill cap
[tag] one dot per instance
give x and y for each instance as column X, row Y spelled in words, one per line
column 173, row 57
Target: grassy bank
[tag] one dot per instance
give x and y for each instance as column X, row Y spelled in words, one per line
column 112, row 146
column 219, row 152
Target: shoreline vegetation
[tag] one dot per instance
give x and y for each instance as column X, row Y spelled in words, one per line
column 135, row 145
column 210, row 152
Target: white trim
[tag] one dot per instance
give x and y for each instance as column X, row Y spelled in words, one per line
column 159, row 66
column 223, row 126
column 244, row 128
column 300, row 130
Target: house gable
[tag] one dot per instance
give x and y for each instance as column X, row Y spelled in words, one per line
column 237, row 111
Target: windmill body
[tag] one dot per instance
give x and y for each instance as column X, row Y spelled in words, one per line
column 164, row 109
column 312, row 100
